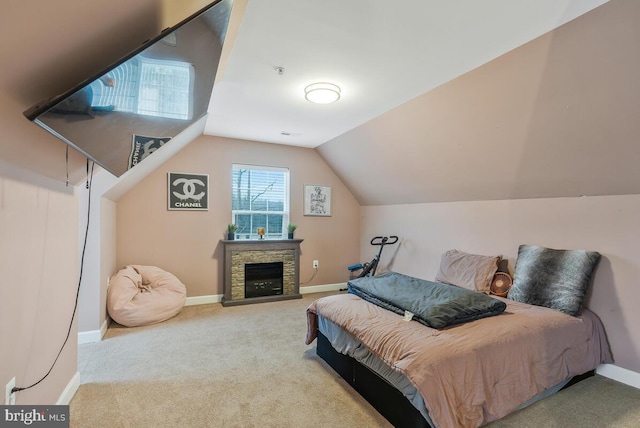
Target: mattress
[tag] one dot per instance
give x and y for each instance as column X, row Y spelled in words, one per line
column 471, row 373
column 346, row 344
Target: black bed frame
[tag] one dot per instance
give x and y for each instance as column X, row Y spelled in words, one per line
column 383, row 396
column 377, row 391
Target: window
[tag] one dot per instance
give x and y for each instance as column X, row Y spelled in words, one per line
column 147, row 86
column 260, row 198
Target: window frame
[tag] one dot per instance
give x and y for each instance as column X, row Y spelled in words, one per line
column 253, row 234
column 132, row 87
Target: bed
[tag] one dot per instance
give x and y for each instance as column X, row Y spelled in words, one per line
column 463, row 374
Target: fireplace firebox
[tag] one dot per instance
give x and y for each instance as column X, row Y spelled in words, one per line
column 238, row 253
column 263, row 279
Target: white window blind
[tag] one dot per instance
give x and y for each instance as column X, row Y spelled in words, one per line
column 150, row 87
column 260, row 198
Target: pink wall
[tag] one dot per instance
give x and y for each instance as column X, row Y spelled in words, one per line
column 554, row 119
column 39, row 265
column 38, row 215
column 187, row 243
column 607, row 224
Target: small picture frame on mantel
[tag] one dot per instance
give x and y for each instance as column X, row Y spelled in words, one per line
column 317, row 200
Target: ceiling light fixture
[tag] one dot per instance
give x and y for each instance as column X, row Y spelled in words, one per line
column 322, row 93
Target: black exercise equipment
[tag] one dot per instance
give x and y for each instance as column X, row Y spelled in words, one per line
column 369, row 268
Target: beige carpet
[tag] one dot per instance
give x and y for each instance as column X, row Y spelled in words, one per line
column 248, row 366
column 596, row 402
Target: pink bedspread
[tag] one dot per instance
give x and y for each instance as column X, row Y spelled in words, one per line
column 479, row 371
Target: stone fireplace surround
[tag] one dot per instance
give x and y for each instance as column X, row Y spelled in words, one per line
column 238, row 253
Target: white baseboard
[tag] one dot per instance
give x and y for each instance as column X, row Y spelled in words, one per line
column 322, row 288
column 619, row 374
column 93, row 335
column 69, row 390
column 203, row 300
column 97, row 335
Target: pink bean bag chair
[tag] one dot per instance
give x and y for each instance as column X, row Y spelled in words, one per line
column 142, row 295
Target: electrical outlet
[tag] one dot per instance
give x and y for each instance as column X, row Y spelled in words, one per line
column 9, row 397
column 315, row 264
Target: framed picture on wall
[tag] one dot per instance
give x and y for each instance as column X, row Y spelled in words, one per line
column 188, row 191
column 142, row 146
column 317, row 200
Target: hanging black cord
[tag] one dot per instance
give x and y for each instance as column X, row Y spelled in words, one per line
column 75, row 307
column 66, row 162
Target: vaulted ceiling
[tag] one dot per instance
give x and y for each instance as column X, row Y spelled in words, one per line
column 382, row 54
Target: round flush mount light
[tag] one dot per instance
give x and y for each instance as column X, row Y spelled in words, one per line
column 322, row 93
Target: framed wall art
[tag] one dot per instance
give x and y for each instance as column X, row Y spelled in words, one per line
column 188, row 191
column 317, row 200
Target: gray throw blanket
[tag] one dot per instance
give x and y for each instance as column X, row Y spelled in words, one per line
column 432, row 304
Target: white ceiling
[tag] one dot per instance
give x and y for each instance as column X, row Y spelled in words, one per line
column 381, row 54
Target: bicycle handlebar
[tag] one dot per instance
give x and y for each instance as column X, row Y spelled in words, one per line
column 384, row 240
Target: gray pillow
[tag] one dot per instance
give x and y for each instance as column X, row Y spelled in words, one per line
column 556, row 279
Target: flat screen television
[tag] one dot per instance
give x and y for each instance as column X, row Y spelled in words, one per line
column 123, row 114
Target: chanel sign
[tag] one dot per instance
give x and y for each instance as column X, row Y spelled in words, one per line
column 188, row 191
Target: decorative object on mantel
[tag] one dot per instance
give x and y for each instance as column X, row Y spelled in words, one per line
column 231, row 231
column 188, row 191
column 317, row 200
column 261, row 232
column 290, row 230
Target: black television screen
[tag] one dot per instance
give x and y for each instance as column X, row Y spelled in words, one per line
column 122, row 115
